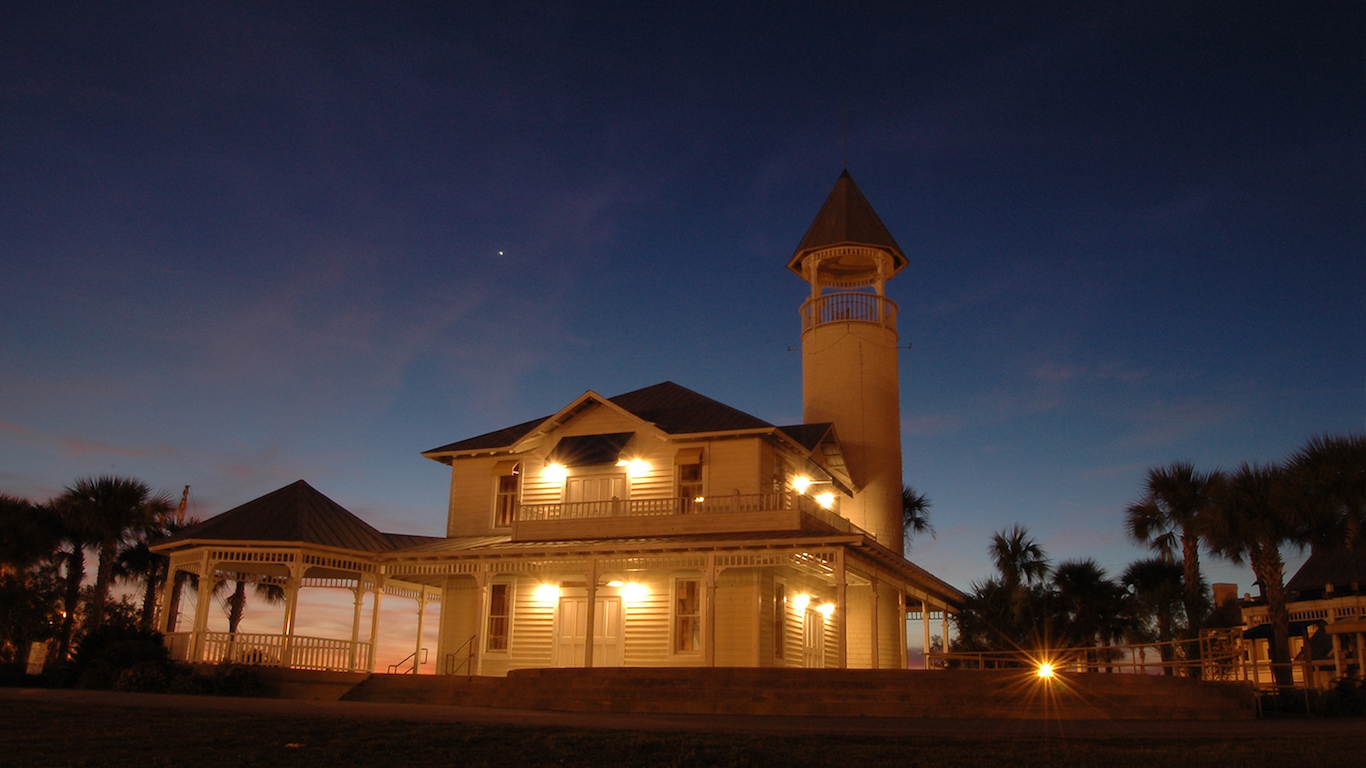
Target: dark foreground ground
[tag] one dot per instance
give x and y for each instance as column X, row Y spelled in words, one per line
column 77, row 728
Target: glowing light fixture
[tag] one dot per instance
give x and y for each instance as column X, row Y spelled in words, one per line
column 555, row 473
column 801, row 483
column 826, row 609
column 633, row 592
column 615, row 583
column 546, row 594
column 826, row 500
column 1045, row 671
column 800, row 602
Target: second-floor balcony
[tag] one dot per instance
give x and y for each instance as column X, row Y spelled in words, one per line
column 732, row 513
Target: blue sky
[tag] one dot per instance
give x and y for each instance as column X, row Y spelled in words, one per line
column 246, row 244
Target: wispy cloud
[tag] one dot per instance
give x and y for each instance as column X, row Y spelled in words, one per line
column 14, row 429
column 78, row 448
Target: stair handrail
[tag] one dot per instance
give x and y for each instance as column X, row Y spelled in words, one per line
column 452, row 668
column 394, row 668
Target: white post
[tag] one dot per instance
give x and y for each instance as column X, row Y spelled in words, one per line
column 841, row 610
column 421, row 615
column 591, row 612
column 873, row 586
column 944, row 615
column 201, row 609
column 292, row 584
column 709, row 612
column 925, row 630
column 359, row 594
column 374, row 622
column 165, row 618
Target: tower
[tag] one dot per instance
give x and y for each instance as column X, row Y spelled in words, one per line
column 849, row 351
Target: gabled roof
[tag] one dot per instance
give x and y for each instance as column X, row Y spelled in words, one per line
column 673, row 409
column 1340, row 567
column 847, row 217
column 294, row 513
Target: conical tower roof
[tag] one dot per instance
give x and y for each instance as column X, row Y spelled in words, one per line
column 847, row 218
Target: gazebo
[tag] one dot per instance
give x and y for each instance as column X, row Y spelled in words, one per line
column 294, row 537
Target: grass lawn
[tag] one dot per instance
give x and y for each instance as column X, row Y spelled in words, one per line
column 47, row 734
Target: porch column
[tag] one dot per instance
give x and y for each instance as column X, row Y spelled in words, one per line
column 874, row 622
column 709, row 613
column 925, row 630
column 591, row 612
column 481, row 624
column 201, row 609
column 1339, row 657
column 421, row 615
column 944, row 616
column 903, row 659
column 291, row 610
column 169, row 605
column 1361, row 654
column 378, row 586
column 841, row 610
column 359, row 594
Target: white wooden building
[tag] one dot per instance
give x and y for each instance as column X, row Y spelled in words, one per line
column 654, row 528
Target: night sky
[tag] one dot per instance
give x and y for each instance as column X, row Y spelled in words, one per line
column 247, row 243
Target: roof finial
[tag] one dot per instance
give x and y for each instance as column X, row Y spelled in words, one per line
column 844, row 135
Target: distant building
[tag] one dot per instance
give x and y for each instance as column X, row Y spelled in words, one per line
column 1327, row 607
column 654, row 528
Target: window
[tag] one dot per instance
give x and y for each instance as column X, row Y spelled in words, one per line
column 687, row 616
column 779, row 619
column 500, row 616
column 505, row 501
column 690, row 485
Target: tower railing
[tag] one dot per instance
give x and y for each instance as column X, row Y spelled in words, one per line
column 849, row 307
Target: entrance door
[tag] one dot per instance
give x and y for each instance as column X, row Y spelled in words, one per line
column 813, row 639
column 572, row 632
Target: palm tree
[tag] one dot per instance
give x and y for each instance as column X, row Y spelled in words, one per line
column 139, row 565
column 1332, row 470
column 1156, row 586
column 236, row 603
column 28, row 534
column 1018, row 557
column 1094, row 605
column 1257, row 512
column 73, row 540
column 1175, row 503
column 111, row 509
column 915, row 515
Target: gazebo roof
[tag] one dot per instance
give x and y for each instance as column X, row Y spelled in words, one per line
column 296, row 513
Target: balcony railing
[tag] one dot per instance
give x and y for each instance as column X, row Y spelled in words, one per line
column 709, row 505
column 849, row 308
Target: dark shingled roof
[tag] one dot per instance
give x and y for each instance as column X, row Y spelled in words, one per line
column 846, row 217
column 679, row 410
column 1341, row 568
column 296, row 513
column 674, row 409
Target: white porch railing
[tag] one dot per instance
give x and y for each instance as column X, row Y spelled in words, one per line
column 737, row 502
column 296, row 652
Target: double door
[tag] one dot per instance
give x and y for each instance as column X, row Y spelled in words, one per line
column 571, row 632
